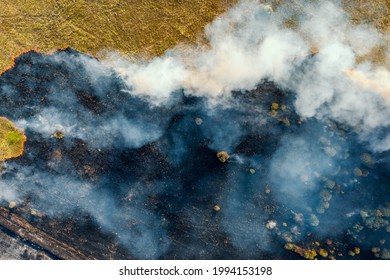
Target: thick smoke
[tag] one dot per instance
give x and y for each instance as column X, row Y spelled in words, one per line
column 245, row 45
column 133, row 146
column 250, row 43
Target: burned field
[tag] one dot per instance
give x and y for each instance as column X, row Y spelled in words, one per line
column 107, row 175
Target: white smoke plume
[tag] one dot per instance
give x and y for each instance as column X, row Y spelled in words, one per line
column 251, row 42
column 245, row 45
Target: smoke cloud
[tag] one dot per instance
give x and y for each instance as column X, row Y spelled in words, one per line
column 133, row 145
column 251, row 43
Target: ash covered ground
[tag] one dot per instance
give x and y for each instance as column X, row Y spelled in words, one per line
column 113, row 161
column 150, row 178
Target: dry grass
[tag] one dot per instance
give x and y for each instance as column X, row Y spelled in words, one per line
column 140, row 27
column 135, row 27
column 377, row 13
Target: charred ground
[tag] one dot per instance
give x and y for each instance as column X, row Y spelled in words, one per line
column 115, row 177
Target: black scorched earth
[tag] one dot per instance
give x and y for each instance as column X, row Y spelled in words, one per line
column 107, row 175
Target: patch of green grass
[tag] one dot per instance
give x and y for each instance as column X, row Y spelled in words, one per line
column 14, row 137
column 11, row 140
